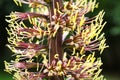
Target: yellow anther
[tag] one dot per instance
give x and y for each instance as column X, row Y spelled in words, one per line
column 56, row 56
column 82, row 50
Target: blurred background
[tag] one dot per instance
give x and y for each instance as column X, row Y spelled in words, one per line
column 110, row 56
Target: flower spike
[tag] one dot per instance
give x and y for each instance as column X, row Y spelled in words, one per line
column 56, row 40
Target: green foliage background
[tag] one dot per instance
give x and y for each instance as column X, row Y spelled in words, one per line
column 110, row 57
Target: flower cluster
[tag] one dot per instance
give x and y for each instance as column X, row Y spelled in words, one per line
column 55, row 40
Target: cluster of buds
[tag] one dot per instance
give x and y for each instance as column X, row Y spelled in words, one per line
column 56, row 41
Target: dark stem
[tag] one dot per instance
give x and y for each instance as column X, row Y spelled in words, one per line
column 55, row 43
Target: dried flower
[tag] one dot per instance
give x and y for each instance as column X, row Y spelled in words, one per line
column 54, row 42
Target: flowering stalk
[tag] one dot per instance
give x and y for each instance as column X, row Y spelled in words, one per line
column 55, row 43
column 52, row 41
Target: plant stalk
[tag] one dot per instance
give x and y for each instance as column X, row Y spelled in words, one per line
column 55, row 43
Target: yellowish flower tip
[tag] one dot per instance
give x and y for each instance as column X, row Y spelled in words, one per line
column 68, row 63
column 75, row 67
column 7, row 67
column 17, row 76
column 91, row 58
column 97, row 5
column 82, row 20
column 82, row 50
column 76, row 45
column 74, row 49
column 45, row 60
column 56, row 56
column 18, row 2
column 74, row 20
column 64, row 56
column 97, row 74
column 61, row 73
column 57, row 26
column 55, row 11
column 34, row 4
column 29, row 19
column 91, row 65
column 59, row 66
column 102, row 45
